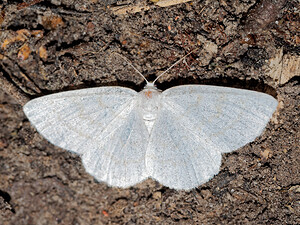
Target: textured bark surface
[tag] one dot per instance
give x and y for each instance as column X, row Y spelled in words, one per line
column 51, row 46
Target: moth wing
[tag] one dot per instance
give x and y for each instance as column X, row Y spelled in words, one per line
column 102, row 125
column 195, row 124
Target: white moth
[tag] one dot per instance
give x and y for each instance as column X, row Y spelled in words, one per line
column 176, row 137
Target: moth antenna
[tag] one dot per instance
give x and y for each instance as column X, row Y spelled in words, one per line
column 130, row 64
column 174, row 64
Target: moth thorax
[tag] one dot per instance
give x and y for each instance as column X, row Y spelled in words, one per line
column 149, row 104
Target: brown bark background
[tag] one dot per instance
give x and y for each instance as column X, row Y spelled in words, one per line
column 55, row 45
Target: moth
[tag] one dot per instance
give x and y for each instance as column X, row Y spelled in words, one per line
column 176, row 136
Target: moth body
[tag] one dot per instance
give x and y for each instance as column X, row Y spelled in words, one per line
column 149, row 99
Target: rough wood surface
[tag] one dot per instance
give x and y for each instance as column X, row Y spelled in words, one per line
column 50, row 46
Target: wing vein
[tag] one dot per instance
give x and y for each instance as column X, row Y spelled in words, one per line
column 196, row 135
column 107, row 128
column 194, row 171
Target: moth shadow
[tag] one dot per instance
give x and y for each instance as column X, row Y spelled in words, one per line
column 94, row 84
column 252, row 84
